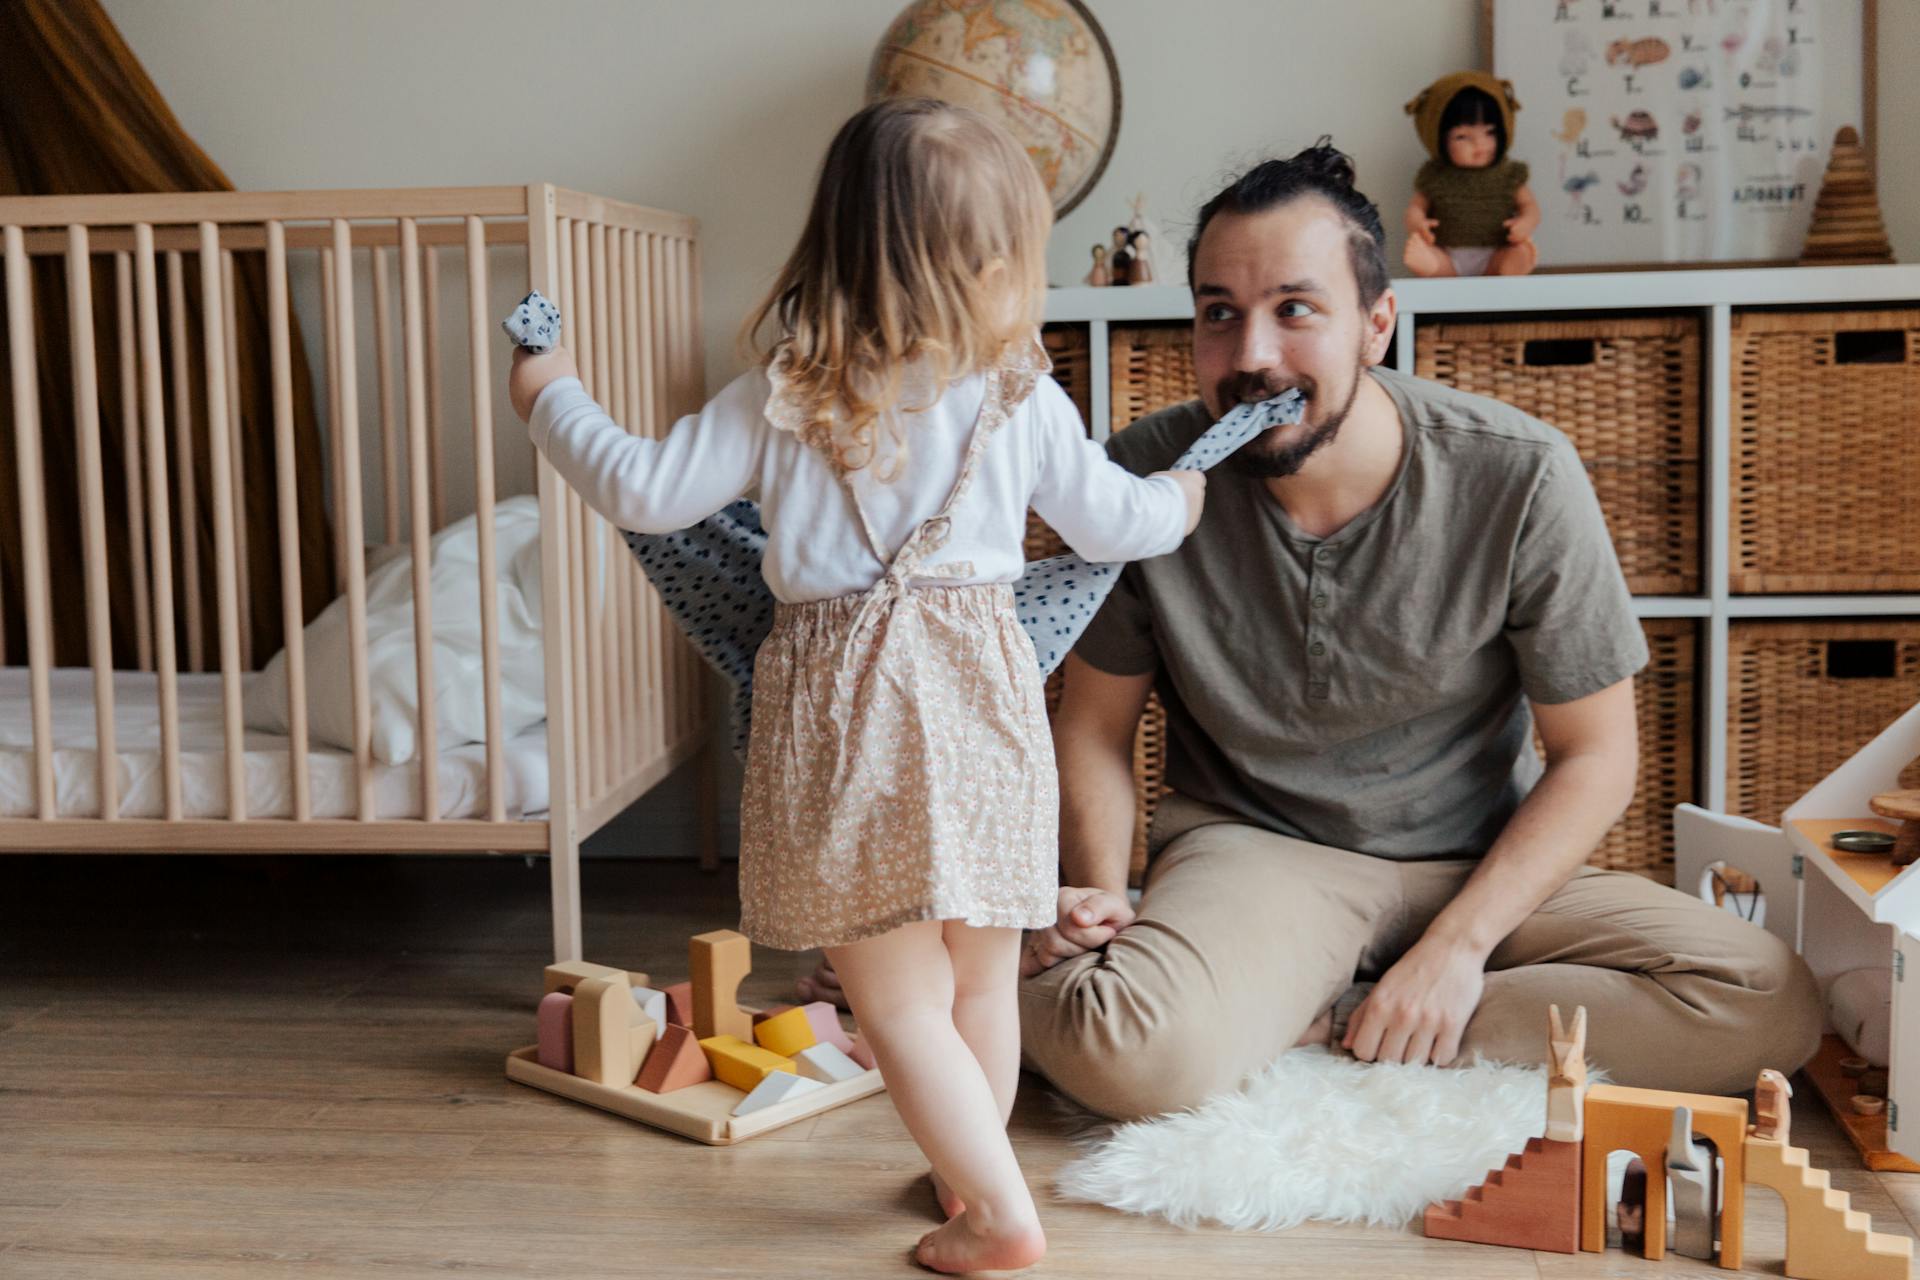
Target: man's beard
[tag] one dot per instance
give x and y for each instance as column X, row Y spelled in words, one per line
column 1274, row 462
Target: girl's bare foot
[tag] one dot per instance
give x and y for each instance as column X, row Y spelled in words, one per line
column 951, row 1205
column 961, row 1246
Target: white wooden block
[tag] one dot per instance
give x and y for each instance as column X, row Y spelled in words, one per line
column 826, row 1064
column 777, row 1087
column 654, row 1005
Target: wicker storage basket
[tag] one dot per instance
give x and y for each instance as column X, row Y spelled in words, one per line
column 1805, row 697
column 1627, row 390
column 1072, row 364
column 1149, row 367
column 1826, row 451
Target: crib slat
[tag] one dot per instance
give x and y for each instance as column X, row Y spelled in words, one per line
column 93, row 513
column 659, row 694
column 436, row 400
column 595, row 543
column 577, row 529
column 136, row 497
column 353, row 530
column 478, row 333
column 280, row 353
column 389, row 419
column 183, row 453
column 619, row 247
column 214, row 344
column 420, row 518
column 336, row 492
column 159, row 517
column 33, row 517
column 672, row 672
column 698, row 677
column 236, row 437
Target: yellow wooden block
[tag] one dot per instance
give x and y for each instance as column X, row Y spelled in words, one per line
column 740, row 1064
column 568, row 974
column 786, row 1033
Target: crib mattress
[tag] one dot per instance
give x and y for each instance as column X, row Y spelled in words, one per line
column 462, row 770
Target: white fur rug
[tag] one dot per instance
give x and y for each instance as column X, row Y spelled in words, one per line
column 1317, row 1136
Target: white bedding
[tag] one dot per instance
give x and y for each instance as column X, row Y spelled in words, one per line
column 396, row 788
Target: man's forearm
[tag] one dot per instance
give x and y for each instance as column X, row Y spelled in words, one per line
column 1550, row 836
column 1096, row 814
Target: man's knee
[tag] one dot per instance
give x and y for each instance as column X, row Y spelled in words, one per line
column 1163, row 1075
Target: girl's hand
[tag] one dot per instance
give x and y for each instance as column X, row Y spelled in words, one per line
column 530, row 375
column 1194, row 485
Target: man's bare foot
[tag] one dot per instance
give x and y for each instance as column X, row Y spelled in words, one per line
column 1320, row 1033
column 951, row 1205
column 822, row 984
column 959, row 1247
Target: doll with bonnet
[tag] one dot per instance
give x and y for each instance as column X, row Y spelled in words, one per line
column 1471, row 212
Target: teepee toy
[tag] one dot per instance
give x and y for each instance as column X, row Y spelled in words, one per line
column 1846, row 227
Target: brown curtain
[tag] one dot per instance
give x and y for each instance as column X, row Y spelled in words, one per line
column 78, row 115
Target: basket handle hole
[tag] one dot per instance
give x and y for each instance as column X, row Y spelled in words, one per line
column 1548, row 352
column 1870, row 346
column 1861, row 659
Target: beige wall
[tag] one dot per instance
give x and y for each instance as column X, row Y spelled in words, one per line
column 723, row 108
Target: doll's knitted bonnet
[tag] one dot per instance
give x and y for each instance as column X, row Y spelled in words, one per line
column 1427, row 108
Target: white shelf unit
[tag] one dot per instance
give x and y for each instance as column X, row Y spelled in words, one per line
column 1712, row 295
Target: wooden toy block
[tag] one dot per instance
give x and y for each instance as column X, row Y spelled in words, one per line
column 740, row 1064
column 771, row 1011
column 1694, row 1183
column 862, row 1053
column 555, row 1021
column 786, row 1034
column 565, row 975
column 603, row 1020
column 777, row 1087
column 1827, row 1238
column 679, row 1004
column 1772, row 1107
column 1641, row 1121
column 718, row 961
column 826, row 1026
column 653, row 1006
column 826, row 1064
column 1567, row 1079
column 675, row 1062
column 642, row 1033
column 1532, row 1203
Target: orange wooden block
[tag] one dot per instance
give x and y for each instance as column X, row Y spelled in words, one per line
column 719, row 960
column 1532, row 1203
column 740, row 1064
column 679, row 1004
column 676, row 1061
column 1641, row 1121
column 786, row 1033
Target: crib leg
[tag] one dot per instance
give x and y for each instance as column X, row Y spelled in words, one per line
column 563, row 858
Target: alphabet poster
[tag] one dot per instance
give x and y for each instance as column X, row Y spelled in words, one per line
column 1678, row 130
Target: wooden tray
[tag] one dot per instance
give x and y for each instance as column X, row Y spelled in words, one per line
column 703, row 1112
column 1867, row 1133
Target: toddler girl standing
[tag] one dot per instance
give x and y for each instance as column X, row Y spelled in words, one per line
column 900, row 805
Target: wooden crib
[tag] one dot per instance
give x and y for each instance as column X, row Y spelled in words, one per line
column 171, row 451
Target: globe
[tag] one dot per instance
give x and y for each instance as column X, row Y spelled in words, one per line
column 1041, row 68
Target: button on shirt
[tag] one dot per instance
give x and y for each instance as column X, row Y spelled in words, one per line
column 1370, row 690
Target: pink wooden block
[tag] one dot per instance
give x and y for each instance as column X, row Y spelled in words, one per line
column 861, row 1052
column 679, row 1004
column 825, row 1020
column 556, row 1031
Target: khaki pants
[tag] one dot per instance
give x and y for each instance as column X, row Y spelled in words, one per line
column 1244, row 937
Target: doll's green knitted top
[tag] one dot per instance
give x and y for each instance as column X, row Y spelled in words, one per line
column 1470, row 204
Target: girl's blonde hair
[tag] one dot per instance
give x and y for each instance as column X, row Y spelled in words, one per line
column 926, row 241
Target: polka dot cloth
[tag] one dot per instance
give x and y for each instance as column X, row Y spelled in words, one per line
column 534, row 324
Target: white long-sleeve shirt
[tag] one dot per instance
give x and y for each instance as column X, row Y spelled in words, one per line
column 1041, row 457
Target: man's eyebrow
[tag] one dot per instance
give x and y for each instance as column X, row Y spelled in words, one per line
column 1296, row 286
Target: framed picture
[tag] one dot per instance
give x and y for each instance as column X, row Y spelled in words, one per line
column 1680, row 132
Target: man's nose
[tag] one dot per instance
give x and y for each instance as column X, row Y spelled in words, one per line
column 1260, row 346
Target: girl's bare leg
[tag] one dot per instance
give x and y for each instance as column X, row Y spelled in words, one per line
column 902, row 988
column 986, row 1012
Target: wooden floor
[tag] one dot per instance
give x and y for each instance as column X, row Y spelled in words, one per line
column 292, row 1067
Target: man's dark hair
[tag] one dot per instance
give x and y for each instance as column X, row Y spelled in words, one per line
column 1321, row 170
column 1475, row 106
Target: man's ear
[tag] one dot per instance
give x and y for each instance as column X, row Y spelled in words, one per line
column 1381, row 321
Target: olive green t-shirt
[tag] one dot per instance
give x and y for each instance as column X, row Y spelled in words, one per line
column 1370, row 690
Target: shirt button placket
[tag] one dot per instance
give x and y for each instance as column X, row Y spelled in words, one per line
column 1319, row 656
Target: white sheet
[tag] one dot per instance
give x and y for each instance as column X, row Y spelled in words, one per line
column 203, row 776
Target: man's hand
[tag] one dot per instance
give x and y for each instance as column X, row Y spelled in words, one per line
column 531, row 374
column 1420, row 1009
column 1089, row 919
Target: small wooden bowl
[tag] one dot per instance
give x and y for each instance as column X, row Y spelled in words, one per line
column 1854, row 1068
column 1865, row 1104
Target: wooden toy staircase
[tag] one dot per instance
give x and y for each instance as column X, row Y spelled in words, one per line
column 1531, row 1203
column 1826, row 1236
